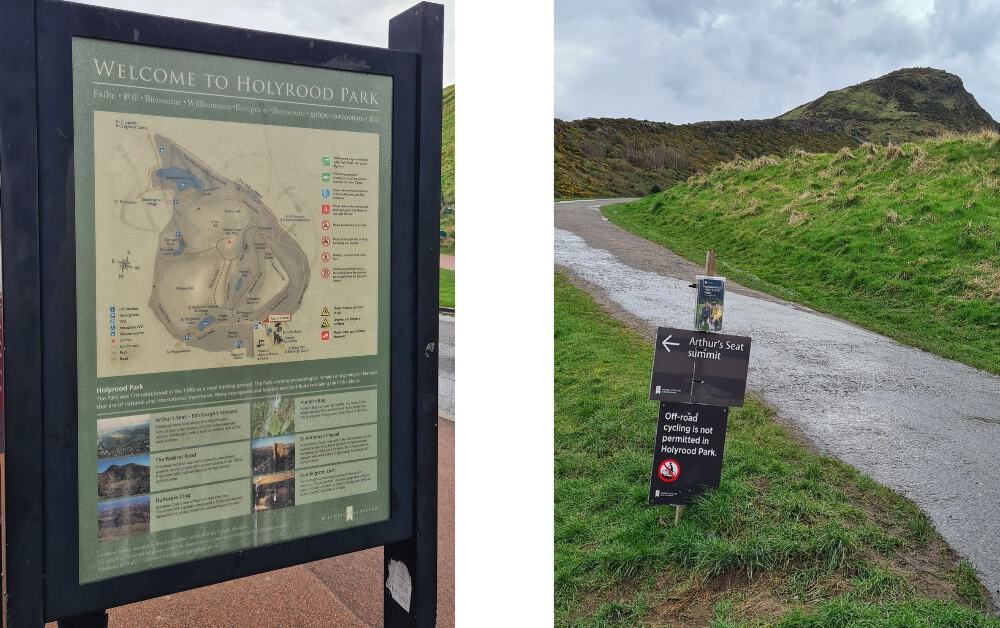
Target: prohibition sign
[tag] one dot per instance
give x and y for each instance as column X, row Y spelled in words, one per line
column 669, row 470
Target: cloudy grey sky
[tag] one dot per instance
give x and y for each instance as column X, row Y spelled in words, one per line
column 353, row 21
column 685, row 61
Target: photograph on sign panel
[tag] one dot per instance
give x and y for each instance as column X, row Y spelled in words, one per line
column 118, row 518
column 273, row 454
column 123, row 436
column 816, row 183
column 273, row 490
column 272, row 417
column 121, row 477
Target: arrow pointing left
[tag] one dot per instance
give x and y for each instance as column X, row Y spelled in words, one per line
column 667, row 344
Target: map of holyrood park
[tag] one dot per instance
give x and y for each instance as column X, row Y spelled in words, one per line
column 223, row 243
column 223, row 264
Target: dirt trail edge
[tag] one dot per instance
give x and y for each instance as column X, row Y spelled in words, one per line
column 923, row 425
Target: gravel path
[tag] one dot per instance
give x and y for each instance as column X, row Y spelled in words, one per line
column 446, row 366
column 923, row 425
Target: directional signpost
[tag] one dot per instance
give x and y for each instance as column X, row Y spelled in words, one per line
column 220, row 254
column 699, row 367
column 696, row 376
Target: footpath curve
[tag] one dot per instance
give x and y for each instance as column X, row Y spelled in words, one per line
column 923, row 425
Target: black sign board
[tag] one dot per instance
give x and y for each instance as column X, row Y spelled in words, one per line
column 699, row 367
column 72, row 531
column 687, row 453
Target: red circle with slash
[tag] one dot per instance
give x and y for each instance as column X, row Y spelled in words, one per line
column 669, row 470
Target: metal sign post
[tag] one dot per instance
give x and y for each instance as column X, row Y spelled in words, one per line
column 220, row 253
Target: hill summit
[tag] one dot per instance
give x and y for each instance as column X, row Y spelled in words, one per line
column 901, row 106
column 625, row 157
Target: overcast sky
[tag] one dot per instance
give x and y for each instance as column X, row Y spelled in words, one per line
column 686, row 61
column 352, row 21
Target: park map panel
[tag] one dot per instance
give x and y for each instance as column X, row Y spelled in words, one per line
column 205, row 270
column 232, row 234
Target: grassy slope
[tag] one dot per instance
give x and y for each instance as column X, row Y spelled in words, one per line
column 789, row 536
column 448, row 167
column 901, row 241
column 446, row 288
column 448, row 145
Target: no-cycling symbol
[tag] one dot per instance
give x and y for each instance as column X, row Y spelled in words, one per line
column 669, row 471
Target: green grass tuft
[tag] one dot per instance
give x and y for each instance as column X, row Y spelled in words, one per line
column 446, row 287
column 448, row 146
column 448, row 168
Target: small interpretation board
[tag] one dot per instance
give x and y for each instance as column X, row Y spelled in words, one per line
column 699, row 367
column 709, row 304
column 687, row 454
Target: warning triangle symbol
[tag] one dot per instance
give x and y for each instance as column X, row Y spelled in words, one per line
column 326, row 323
column 325, row 312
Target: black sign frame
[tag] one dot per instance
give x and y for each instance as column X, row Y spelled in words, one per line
column 41, row 579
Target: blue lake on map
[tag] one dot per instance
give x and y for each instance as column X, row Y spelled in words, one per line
column 181, row 178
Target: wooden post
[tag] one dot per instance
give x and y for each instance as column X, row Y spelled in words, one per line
column 709, row 270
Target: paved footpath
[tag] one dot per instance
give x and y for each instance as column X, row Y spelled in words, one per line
column 923, row 425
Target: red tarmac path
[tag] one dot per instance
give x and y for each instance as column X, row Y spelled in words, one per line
column 345, row 591
column 447, row 261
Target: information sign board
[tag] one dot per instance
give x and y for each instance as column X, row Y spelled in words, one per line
column 224, row 416
column 687, row 453
column 222, row 248
column 699, row 367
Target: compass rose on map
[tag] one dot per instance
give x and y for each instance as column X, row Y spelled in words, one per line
column 124, row 264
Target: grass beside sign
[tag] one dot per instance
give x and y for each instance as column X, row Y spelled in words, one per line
column 446, row 288
column 789, row 537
